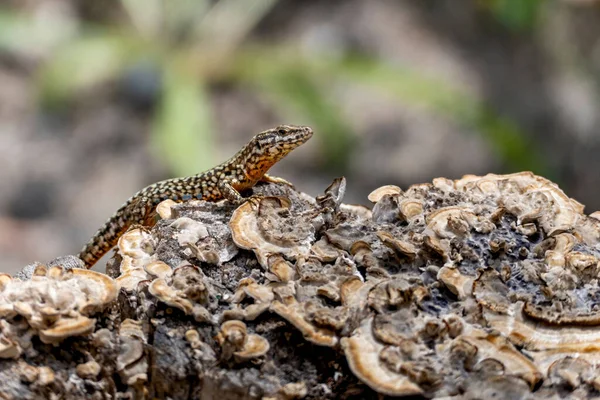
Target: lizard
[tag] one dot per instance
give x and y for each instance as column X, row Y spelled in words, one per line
column 225, row 181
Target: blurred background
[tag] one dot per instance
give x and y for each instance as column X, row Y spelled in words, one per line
column 99, row 98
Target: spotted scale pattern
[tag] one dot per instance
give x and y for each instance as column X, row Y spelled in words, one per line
column 225, row 181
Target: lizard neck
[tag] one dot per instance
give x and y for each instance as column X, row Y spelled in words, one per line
column 254, row 172
column 252, row 163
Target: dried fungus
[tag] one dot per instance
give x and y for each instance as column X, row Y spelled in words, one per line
column 56, row 304
column 481, row 287
column 135, row 248
column 363, row 353
column 186, row 290
column 267, row 227
column 236, row 342
column 378, row 193
column 132, row 362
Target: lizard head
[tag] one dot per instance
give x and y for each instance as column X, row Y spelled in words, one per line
column 283, row 138
column 276, row 143
column 270, row 146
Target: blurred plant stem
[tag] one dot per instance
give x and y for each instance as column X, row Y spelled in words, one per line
column 182, row 126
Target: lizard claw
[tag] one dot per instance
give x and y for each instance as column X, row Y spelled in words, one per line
column 254, row 199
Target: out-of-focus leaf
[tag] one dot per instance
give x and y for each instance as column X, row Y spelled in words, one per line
column 293, row 88
column 509, row 142
column 277, row 71
column 83, row 63
column 228, row 22
column 505, row 137
column 183, row 17
column 181, row 132
column 517, row 15
column 297, row 89
column 146, row 15
column 31, row 36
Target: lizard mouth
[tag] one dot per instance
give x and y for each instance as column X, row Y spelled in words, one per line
column 304, row 134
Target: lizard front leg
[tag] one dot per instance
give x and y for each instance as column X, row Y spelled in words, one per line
column 228, row 192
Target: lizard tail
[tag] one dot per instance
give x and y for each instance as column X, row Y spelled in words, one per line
column 107, row 236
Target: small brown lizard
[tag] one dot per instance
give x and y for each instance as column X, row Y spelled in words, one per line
column 225, row 181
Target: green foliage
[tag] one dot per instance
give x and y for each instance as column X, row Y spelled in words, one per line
column 182, row 125
column 296, row 87
column 517, row 15
column 305, row 83
column 303, row 92
column 504, row 136
column 197, row 42
column 21, row 34
column 84, row 63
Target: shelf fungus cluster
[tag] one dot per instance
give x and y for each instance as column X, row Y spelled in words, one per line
column 482, row 287
column 53, row 305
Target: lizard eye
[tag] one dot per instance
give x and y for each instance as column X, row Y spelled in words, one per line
column 282, row 131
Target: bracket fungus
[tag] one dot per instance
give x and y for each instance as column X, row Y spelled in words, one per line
column 135, row 248
column 267, row 227
column 236, row 342
column 363, row 353
column 477, row 287
column 184, row 289
column 131, row 362
column 56, row 303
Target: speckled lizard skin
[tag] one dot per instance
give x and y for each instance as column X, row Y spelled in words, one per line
column 225, row 181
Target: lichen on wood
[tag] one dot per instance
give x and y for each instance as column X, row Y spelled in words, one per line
column 479, row 287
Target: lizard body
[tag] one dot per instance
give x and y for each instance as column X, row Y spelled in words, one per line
column 224, row 181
